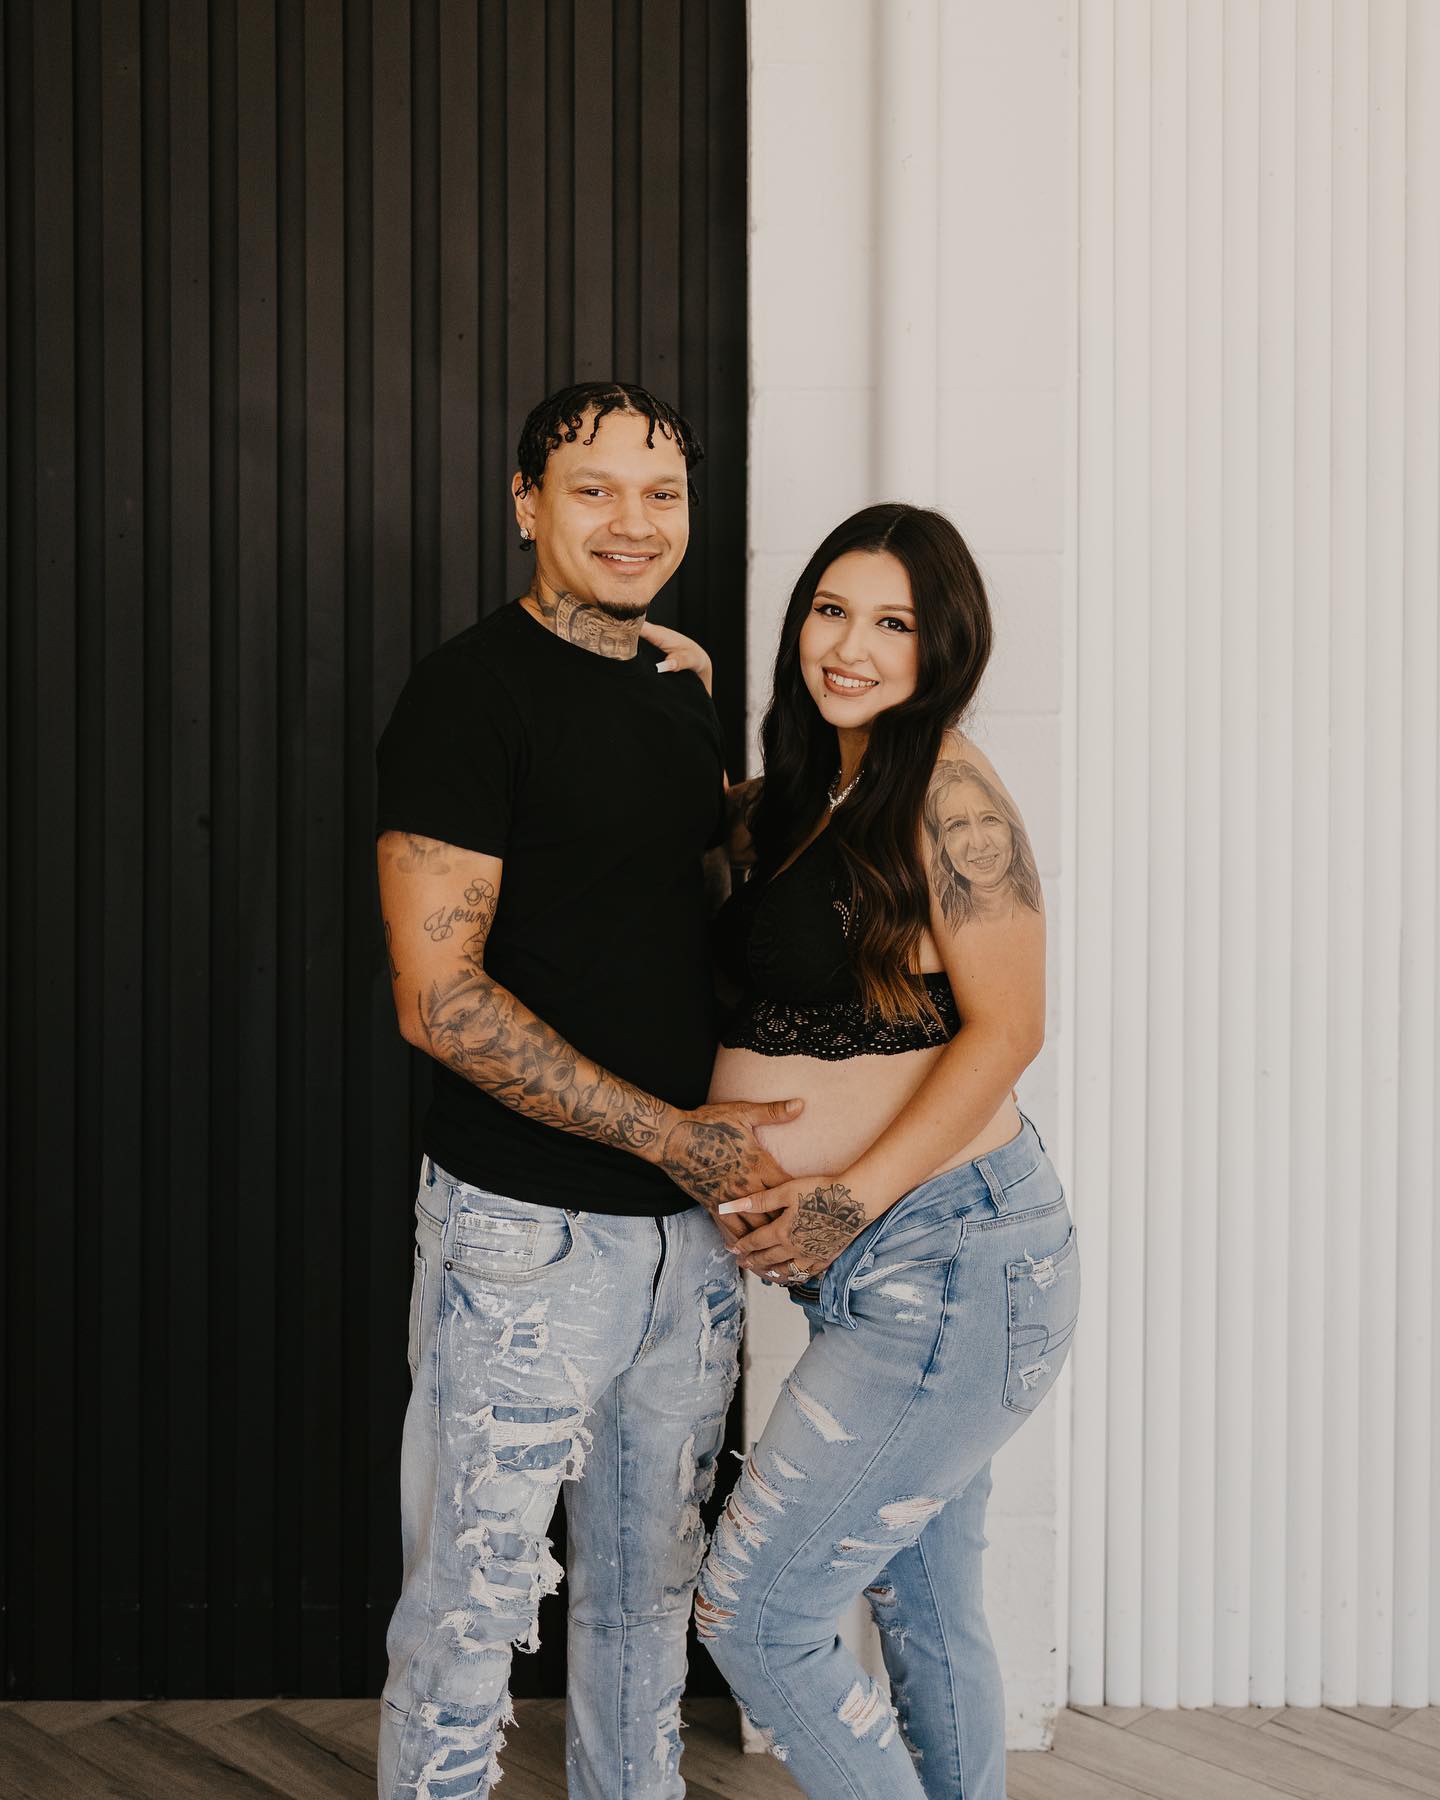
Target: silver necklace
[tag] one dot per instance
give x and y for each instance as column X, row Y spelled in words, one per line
column 835, row 798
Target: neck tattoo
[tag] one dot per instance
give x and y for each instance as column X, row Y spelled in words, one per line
column 582, row 622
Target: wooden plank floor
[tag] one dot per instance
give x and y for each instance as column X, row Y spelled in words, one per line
column 314, row 1749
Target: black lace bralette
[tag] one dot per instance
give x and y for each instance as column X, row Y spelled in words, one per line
column 783, row 943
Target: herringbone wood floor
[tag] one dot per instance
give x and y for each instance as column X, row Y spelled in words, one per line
column 313, row 1749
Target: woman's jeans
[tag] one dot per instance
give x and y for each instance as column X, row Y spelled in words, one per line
column 544, row 1341
column 934, row 1335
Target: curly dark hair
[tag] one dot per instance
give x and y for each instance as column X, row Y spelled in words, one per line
column 558, row 420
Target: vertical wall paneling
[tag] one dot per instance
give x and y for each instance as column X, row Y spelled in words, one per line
column 1093, row 885
column 1417, row 1345
column 1275, row 478
column 280, row 282
column 1231, row 775
column 1255, row 751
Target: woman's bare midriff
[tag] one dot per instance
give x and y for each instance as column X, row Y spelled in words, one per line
column 847, row 1105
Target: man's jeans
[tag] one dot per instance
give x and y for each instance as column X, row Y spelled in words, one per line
column 544, row 1342
column 934, row 1335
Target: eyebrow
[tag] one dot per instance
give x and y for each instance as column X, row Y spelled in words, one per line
column 829, row 594
column 665, row 480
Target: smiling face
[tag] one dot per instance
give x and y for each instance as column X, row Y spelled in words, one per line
column 975, row 835
column 858, row 647
column 611, row 519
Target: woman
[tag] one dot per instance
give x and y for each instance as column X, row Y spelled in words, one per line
column 889, row 945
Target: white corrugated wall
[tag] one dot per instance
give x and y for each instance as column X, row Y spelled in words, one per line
column 1251, row 870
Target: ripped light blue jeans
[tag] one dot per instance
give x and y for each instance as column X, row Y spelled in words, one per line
column 544, row 1342
column 934, row 1335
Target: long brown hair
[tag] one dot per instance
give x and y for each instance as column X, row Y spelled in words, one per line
column 876, row 830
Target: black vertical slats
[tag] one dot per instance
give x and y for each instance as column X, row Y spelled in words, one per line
column 559, row 193
column 7, row 350
column 226, row 996
column 461, row 27
column 628, row 102
column 64, row 1018
column 280, row 282
column 292, row 1088
column 118, row 785
column 382, row 1166
column 156, row 971
column 315, row 1186
column 354, row 866
column 98, row 1395
column 19, row 1119
column 254, row 1099
column 592, row 289
column 659, row 170
column 195, row 1346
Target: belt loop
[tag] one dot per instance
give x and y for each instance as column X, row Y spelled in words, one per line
column 992, row 1182
column 427, row 1171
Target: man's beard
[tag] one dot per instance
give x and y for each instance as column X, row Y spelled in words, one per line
column 621, row 612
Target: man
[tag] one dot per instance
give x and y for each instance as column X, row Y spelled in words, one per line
column 545, row 801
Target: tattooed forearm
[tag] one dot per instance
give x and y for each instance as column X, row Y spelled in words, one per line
column 981, row 865
column 584, row 623
column 825, row 1221
column 390, row 951
column 480, row 1030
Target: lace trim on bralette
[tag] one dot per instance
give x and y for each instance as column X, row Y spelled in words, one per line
column 836, row 1029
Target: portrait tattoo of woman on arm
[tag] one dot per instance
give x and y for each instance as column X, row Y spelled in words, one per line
column 981, row 865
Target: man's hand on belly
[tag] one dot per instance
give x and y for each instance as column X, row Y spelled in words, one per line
column 713, row 1154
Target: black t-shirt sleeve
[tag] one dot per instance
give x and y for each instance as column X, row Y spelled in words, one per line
column 449, row 760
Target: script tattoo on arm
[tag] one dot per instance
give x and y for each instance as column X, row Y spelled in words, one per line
column 825, row 1221
column 980, row 863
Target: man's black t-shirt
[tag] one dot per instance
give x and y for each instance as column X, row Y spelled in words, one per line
column 599, row 783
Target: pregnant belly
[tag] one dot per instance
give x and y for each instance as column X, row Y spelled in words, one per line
column 847, row 1105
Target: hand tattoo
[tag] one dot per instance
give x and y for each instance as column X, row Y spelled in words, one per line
column 825, row 1221
column 712, row 1160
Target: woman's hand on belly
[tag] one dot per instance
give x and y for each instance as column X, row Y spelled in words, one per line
column 811, row 1221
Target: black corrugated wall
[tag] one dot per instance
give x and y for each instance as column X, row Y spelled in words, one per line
column 280, row 282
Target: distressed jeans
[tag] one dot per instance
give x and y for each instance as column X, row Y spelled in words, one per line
column 934, row 1336
column 544, row 1342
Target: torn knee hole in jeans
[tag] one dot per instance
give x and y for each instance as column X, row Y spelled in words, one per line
column 466, row 1757
column 865, row 1710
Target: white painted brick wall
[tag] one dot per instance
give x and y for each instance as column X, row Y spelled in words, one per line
column 1004, row 475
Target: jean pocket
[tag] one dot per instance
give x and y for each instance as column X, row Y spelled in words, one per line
column 509, row 1245
column 1044, row 1301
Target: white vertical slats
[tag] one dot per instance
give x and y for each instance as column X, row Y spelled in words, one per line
column 1130, row 914
column 1417, row 1386
column 1205, row 801
column 1093, row 804
column 1384, row 598
column 1345, row 1159
column 1220, row 1662
column 1309, row 831
column 1272, row 1194
column 1163, row 599
column 1256, row 787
